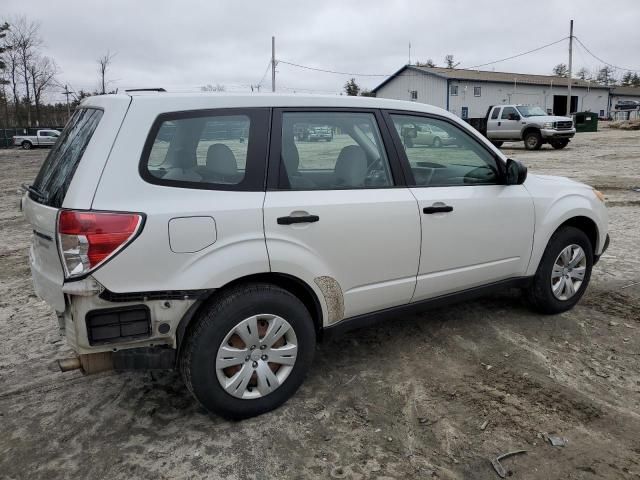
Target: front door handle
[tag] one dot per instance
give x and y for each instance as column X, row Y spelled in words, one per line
column 438, row 209
column 300, row 219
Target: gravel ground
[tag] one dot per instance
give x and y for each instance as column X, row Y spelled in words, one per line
column 405, row 399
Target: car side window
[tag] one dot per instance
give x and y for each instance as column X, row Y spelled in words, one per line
column 208, row 149
column 495, row 113
column 332, row 150
column 508, row 112
column 443, row 154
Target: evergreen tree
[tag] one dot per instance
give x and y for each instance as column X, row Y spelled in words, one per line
column 561, row 70
column 351, row 88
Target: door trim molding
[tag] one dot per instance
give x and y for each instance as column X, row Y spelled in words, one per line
column 368, row 319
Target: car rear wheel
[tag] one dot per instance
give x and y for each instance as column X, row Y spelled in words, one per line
column 26, row 145
column 559, row 144
column 532, row 140
column 437, row 143
column 249, row 351
column 563, row 273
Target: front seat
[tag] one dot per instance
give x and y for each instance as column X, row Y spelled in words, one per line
column 221, row 165
column 183, row 167
column 351, row 167
column 291, row 160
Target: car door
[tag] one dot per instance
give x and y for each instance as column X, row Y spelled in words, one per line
column 475, row 229
column 46, row 138
column 493, row 123
column 509, row 124
column 336, row 214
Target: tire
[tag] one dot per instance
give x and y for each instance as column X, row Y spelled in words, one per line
column 559, row 144
column 532, row 140
column 408, row 142
column 215, row 327
column 541, row 294
column 26, row 145
column 497, row 144
column 437, row 143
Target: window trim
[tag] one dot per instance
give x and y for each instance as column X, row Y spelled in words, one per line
column 479, row 91
column 451, row 90
column 257, row 143
column 404, row 160
column 275, row 149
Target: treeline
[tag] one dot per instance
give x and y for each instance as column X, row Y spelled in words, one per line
column 29, row 79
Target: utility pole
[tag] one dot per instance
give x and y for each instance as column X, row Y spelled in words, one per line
column 570, row 61
column 273, row 64
column 67, row 93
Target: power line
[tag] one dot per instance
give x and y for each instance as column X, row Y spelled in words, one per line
column 264, row 76
column 516, row 56
column 358, row 74
column 315, row 69
column 602, row 61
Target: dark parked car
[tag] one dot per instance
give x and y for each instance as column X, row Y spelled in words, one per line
column 627, row 105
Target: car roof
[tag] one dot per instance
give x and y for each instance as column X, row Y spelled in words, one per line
column 169, row 101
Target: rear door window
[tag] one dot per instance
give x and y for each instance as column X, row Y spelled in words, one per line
column 57, row 170
column 207, row 149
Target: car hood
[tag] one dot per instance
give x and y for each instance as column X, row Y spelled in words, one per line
column 548, row 118
column 552, row 181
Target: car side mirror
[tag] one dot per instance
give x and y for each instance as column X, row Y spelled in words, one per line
column 516, row 172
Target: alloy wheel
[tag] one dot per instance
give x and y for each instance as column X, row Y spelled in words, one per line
column 568, row 272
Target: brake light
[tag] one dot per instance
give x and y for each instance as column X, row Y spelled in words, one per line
column 88, row 239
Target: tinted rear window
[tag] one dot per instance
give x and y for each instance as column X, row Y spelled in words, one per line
column 57, row 170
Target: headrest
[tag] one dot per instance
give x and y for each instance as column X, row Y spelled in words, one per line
column 221, row 160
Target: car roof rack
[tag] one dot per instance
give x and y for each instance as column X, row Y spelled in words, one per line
column 145, row 90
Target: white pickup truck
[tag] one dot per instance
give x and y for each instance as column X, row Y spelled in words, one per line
column 42, row 138
column 531, row 124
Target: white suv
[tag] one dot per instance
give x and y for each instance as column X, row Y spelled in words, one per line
column 198, row 231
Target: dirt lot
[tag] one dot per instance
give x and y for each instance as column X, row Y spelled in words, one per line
column 405, row 399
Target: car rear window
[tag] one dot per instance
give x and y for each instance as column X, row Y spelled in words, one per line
column 58, row 168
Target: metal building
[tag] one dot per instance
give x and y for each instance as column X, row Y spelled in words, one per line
column 469, row 93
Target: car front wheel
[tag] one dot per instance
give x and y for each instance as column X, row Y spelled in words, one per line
column 563, row 273
column 248, row 351
column 533, row 140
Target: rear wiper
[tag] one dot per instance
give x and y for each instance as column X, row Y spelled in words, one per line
column 35, row 191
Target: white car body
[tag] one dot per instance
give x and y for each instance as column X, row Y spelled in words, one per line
column 371, row 251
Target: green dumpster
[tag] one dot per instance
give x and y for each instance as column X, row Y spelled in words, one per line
column 585, row 121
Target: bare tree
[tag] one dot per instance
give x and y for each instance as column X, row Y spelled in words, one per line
column 450, row 61
column 429, row 63
column 212, row 88
column 24, row 39
column 583, row 74
column 42, row 72
column 104, row 62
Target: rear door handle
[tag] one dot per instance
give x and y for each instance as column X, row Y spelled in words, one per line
column 301, row 219
column 438, row 209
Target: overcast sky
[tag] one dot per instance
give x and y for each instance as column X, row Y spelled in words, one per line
column 181, row 45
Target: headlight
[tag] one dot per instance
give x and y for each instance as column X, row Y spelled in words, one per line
column 599, row 194
column 547, row 125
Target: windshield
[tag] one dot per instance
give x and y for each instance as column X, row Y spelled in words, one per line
column 531, row 111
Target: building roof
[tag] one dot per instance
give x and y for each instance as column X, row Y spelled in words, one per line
column 498, row 77
column 626, row 91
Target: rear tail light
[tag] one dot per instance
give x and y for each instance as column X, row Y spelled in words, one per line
column 88, row 239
